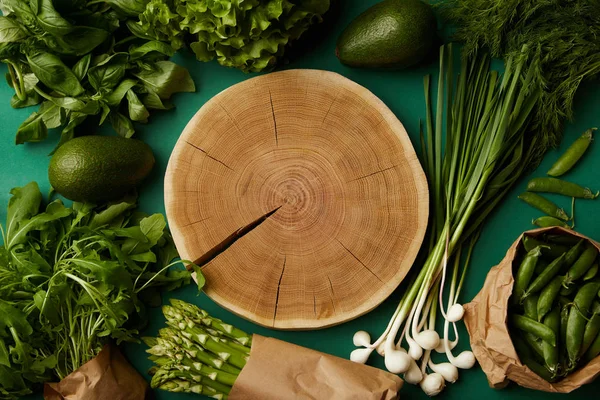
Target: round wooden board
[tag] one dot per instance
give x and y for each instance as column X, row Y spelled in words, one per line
column 300, row 195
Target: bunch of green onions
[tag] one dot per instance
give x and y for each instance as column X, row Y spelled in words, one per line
column 197, row 353
column 485, row 117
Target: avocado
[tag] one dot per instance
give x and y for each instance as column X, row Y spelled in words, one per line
column 99, row 168
column 392, row 34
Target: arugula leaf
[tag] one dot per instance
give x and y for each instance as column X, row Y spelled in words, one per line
column 52, row 72
column 13, row 318
column 32, row 129
column 137, row 110
column 24, row 203
column 166, row 78
column 121, row 124
column 111, row 273
column 54, row 211
column 153, row 227
column 111, row 213
column 10, row 31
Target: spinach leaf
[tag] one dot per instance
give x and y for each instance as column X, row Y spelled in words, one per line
column 33, row 129
column 166, row 78
column 114, row 98
column 81, row 67
column 150, row 47
column 108, row 73
column 10, row 31
column 121, row 124
column 137, row 110
column 52, row 72
column 49, row 19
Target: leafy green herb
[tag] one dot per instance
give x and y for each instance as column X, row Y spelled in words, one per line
column 73, row 279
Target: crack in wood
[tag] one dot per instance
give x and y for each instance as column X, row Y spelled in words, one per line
column 209, row 156
column 231, row 239
column 372, row 173
column 337, row 95
column 357, row 259
column 332, row 295
column 274, row 119
column 195, row 222
column 278, row 289
column 314, row 304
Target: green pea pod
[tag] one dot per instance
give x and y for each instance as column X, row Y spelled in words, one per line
column 544, row 205
column 592, row 328
column 548, row 250
column 574, row 253
column 545, row 277
column 558, row 186
column 528, row 358
column 564, row 320
column 591, row 273
column 535, row 328
column 547, row 222
column 552, row 321
column 572, row 155
column 547, row 297
column 525, row 273
column 540, row 266
column 530, row 306
column 568, row 240
column 577, row 320
column 535, row 344
column 582, row 265
column 593, row 351
column 567, row 291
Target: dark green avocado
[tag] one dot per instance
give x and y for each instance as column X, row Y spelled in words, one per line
column 392, row 34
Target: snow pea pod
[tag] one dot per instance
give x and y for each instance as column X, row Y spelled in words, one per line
column 548, row 296
column 545, row 277
column 540, row 266
column 553, row 251
column 535, row 344
column 582, row 265
column 528, row 358
column 594, row 350
column 552, row 321
column 530, row 306
column 572, row 155
column 525, row 273
column 553, row 185
column 592, row 328
column 544, row 205
column 574, row 253
column 577, row 320
column 547, row 222
column 535, row 328
column 591, row 273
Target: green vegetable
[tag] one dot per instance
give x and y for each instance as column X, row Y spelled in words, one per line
column 390, row 34
column 547, row 221
column 528, row 359
column 553, row 185
column 530, row 306
column 546, row 276
column 72, row 280
column 544, row 205
column 572, row 155
column 197, row 353
column 592, row 329
column 82, row 59
column 550, row 250
column 582, row 265
column 548, row 296
column 557, row 38
column 591, row 273
column 535, row 328
column 525, row 273
column 577, row 321
column 552, row 321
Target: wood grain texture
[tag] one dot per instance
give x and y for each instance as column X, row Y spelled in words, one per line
column 301, row 196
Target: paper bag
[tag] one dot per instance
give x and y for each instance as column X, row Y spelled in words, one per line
column 107, row 376
column 278, row 370
column 485, row 317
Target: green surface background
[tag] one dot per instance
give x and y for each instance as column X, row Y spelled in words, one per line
column 402, row 91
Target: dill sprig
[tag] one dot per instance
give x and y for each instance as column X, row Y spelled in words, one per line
column 562, row 38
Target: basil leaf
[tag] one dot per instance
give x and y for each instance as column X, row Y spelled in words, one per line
column 153, row 102
column 10, row 31
column 104, row 114
column 137, row 111
column 82, row 40
column 52, row 72
column 31, row 96
column 81, row 67
column 68, row 132
column 114, row 98
column 69, row 103
column 49, row 19
column 24, row 203
column 121, row 124
column 107, row 74
column 167, row 78
column 32, row 129
column 131, row 8
column 152, row 46
column 53, row 115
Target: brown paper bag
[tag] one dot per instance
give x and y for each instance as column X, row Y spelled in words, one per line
column 278, row 370
column 107, row 376
column 485, row 318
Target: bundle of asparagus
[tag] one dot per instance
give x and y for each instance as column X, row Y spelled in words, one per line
column 197, row 353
